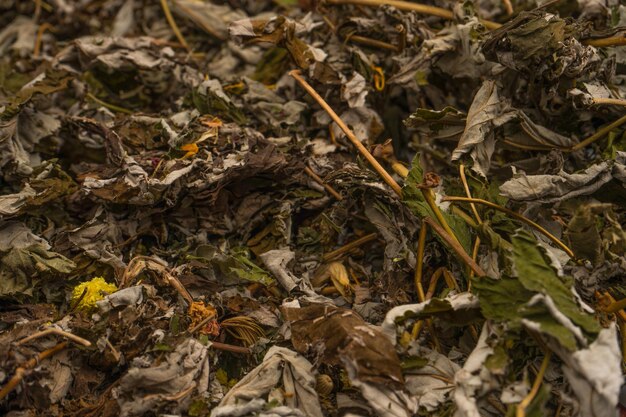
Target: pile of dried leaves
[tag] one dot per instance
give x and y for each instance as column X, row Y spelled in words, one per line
column 307, row 208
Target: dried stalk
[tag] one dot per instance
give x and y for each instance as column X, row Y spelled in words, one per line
column 173, row 25
column 508, row 7
column 411, row 7
column 598, row 135
column 606, row 42
column 374, row 43
column 348, row 247
column 456, row 246
column 521, row 407
column 108, row 105
column 40, row 31
column 468, row 193
column 321, row 182
column 30, row 364
column 231, row 348
column 616, row 306
column 519, row 217
column 59, row 332
column 419, row 262
column 356, row 142
column 615, row 101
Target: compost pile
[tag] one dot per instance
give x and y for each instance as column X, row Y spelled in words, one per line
column 308, row 208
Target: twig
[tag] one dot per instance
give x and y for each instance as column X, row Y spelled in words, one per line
column 201, row 324
column 476, row 215
column 521, row 407
column 615, row 101
column 518, row 217
column 57, row 331
column 114, row 351
column 356, row 142
column 231, row 348
column 42, row 28
column 616, row 306
column 31, row 363
column 456, row 246
column 412, row 7
column 429, row 196
column 606, row 300
column 419, row 262
column 508, row 7
column 348, row 247
column 468, row 193
column 321, row 182
column 173, row 25
column 108, row 105
column 372, row 42
column 598, row 135
column 606, row 42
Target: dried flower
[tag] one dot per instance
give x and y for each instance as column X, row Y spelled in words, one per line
column 85, row 295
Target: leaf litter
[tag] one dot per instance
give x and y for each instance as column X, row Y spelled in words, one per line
column 307, row 208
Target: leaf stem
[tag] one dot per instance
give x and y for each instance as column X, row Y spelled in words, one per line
column 616, row 306
column 519, row 217
column 348, row 247
column 321, row 182
column 429, row 196
column 455, row 245
column 173, row 25
column 419, row 263
column 411, row 7
column 355, row 141
column 59, row 332
column 606, row 42
column 30, row 364
column 108, row 105
column 615, row 101
column 598, row 135
column 521, row 407
column 468, row 193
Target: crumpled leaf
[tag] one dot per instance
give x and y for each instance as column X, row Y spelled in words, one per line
column 594, row 374
column 149, row 382
column 487, row 112
column 212, row 18
column 26, row 260
column 456, row 309
column 281, row 367
column 551, row 188
column 536, row 297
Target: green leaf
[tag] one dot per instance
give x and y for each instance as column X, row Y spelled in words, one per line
column 509, row 299
column 536, row 274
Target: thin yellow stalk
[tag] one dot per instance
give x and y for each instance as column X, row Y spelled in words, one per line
column 455, row 245
column 173, row 25
column 348, row 247
column 419, row 264
column 468, row 193
column 508, row 7
column 412, row 7
column 320, row 181
column 519, row 217
column 606, row 42
column 429, row 196
column 108, row 105
column 598, row 135
column 476, row 215
column 615, row 101
column 521, row 407
column 616, row 306
column 355, row 141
